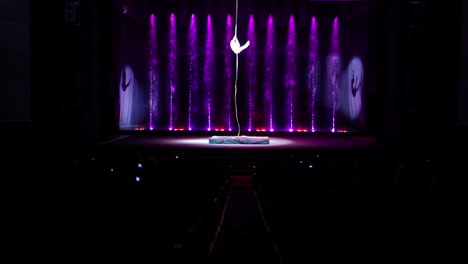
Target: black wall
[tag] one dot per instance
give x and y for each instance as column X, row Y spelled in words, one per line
column 417, row 56
column 16, row 65
column 71, row 65
column 15, row 81
column 463, row 92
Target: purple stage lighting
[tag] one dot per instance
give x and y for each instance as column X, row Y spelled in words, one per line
column 193, row 70
column 269, row 66
column 172, row 71
column 179, row 74
column 228, row 71
column 290, row 81
column 334, row 70
column 252, row 63
column 153, row 75
column 312, row 79
column 209, row 71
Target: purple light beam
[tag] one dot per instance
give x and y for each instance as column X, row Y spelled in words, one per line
column 153, row 77
column 209, row 70
column 269, row 65
column 313, row 68
column 252, row 69
column 291, row 71
column 172, row 69
column 193, row 64
column 334, row 68
column 228, row 60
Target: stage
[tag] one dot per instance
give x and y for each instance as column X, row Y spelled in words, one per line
column 280, row 142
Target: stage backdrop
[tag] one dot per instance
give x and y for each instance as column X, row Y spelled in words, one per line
column 304, row 71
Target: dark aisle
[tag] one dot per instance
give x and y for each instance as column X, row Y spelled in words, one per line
column 243, row 236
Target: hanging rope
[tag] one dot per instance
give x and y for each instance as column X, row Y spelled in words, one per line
column 237, row 48
column 235, row 94
column 237, row 73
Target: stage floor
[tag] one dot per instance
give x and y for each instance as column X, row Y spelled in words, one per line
column 281, row 142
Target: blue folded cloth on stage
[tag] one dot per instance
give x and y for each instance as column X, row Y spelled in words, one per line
column 238, row 140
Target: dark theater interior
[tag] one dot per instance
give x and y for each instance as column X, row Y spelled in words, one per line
column 234, row 131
